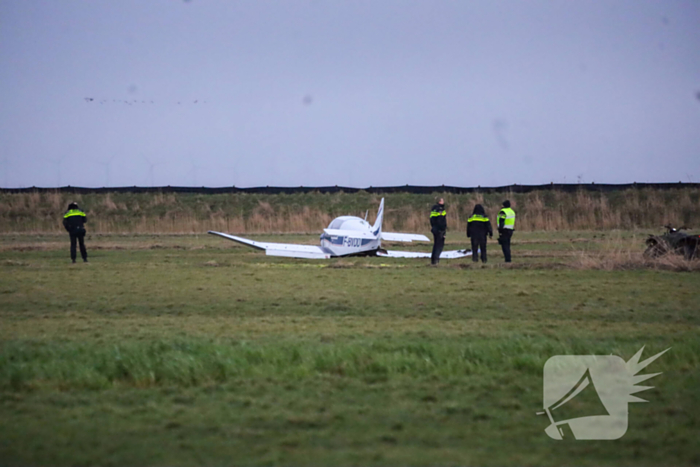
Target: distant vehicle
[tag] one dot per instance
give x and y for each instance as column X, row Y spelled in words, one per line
column 348, row 236
column 673, row 241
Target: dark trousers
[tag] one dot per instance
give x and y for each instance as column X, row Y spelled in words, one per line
column 478, row 243
column 504, row 240
column 77, row 237
column 438, row 245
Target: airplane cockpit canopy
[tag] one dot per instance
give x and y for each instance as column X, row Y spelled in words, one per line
column 349, row 223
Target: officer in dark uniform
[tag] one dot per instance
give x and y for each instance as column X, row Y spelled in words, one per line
column 438, row 226
column 74, row 221
column 478, row 227
column 506, row 227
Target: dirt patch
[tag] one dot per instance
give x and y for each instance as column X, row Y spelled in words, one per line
column 11, row 262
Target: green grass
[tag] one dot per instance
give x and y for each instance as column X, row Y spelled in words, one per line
column 190, row 350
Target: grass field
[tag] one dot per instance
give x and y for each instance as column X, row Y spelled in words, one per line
column 190, row 350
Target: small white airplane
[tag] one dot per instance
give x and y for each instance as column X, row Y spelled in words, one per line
column 348, row 236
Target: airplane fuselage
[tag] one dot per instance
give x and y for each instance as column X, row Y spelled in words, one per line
column 350, row 236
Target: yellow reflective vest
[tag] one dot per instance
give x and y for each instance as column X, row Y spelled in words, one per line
column 508, row 216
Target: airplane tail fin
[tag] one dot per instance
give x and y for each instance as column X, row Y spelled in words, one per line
column 377, row 227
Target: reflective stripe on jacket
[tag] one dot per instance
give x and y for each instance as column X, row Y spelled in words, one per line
column 74, row 212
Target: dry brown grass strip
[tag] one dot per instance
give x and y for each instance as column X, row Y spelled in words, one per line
column 626, row 260
column 630, row 209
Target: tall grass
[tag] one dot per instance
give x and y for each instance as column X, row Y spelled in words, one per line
column 310, row 212
column 617, row 254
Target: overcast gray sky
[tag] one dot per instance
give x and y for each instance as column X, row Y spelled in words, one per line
column 355, row 93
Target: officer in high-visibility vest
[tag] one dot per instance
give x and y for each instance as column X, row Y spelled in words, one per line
column 506, row 226
column 438, row 226
column 74, row 221
column 478, row 227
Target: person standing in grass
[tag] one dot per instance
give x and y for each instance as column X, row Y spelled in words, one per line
column 438, row 226
column 478, row 227
column 74, row 221
column 506, row 227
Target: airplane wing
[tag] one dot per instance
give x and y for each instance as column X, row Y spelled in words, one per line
column 452, row 254
column 281, row 249
column 403, row 237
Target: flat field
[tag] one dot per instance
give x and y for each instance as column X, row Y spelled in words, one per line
column 190, row 350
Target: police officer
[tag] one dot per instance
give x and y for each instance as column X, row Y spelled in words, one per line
column 506, row 226
column 74, row 221
column 478, row 227
column 438, row 226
